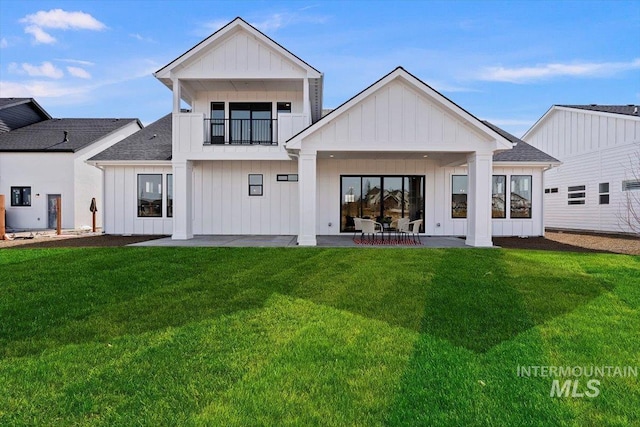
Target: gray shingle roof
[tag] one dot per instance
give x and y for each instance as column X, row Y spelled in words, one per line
column 151, row 143
column 627, row 110
column 19, row 112
column 48, row 135
column 522, row 152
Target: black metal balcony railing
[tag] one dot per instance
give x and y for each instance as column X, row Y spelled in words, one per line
column 241, row 131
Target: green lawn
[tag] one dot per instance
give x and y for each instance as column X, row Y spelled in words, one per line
column 293, row 336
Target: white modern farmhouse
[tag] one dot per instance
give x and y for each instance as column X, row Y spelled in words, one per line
column 253, row 155
column 43, row 158
column 598, row 182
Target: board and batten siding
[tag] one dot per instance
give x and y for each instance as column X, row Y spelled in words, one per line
column 396, row 118
column 566, row 133
column 437, row 195
column 222, row 205
column 594, row 148
column 240, row 55
column 121, row 202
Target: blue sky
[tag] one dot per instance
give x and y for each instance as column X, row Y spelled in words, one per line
column 506, row 62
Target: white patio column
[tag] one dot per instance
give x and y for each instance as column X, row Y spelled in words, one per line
column 480, row 169
column 307, row 195
column 182, row 203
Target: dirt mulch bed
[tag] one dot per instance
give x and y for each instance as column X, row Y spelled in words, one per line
column 574, row 242
column 78, row 241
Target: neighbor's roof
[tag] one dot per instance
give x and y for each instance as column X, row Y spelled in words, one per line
column 19, row 112
column 628, row 110
column 151, row 143
column 521, row 152
column 48, row 135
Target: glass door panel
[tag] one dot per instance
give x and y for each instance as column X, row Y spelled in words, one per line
column 371, row 197
column 393, row 200
column 350, row 202
column 414, row 190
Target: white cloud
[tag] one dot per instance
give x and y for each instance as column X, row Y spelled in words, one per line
column 79, row 72
column 3, row 43
column 60, row 20
column 210, row 27
column 46, row 69
column 77, row 61
column 39, row 35
column 142, row 38
column 548, row 71
column 271, row 23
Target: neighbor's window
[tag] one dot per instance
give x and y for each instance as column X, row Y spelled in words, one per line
column 20, row 196
column 150, row 195
column 255, row 184
column 576, row 195
column 498, row 196
column 521, row 196
column 604, row 193
column 633, row 184
column 169, row 196
column 459, row 184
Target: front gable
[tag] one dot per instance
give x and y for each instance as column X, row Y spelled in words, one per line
column 239, row 55
column 399, row 113
column 237, row 51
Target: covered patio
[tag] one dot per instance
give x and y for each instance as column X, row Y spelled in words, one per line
column 339, row 241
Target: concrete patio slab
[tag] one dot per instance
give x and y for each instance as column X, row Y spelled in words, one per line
column 290, row 241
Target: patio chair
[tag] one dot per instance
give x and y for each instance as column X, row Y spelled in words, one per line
column 371, row 227
column 414, row 229
column 402, row 227
column 357, row 226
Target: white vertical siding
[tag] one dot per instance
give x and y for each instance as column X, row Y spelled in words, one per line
column 222, row 204
column 121, row 202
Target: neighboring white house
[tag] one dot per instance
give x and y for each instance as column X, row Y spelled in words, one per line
column 42, row 158
column 254, row 155
column 599, row 147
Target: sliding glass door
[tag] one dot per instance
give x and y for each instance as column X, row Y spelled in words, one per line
column 381, row 198
column 250, row 123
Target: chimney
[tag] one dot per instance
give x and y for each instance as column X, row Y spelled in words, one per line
column 66, row 136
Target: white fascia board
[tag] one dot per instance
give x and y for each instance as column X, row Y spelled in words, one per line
column 538, row 122
column 100, row 163
column 554, row 108
column 466, row 118
column 527, row 164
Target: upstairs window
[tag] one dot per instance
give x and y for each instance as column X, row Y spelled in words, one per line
column 284, row 107
column 576, row 195
column 20, row 196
